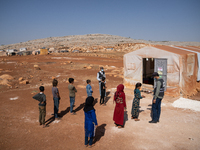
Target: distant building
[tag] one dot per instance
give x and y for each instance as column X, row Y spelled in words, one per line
column 44, row 52
column 11, row 50
column 22, row 49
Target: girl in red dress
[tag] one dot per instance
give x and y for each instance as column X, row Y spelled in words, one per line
column 120, row 106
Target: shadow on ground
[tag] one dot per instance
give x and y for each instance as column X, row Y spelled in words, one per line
column 107, row 97
column 100, row 132
column 125, row 117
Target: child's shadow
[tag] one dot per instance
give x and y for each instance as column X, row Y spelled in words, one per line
column 107, row 97
column 151, row 112
column 64, row 112
column 100, row 131
column 95, row 101
column 125, row 117
column 79, row 107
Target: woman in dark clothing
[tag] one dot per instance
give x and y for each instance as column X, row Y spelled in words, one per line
column 136, row 102
column 120, row 100
column 90, row 120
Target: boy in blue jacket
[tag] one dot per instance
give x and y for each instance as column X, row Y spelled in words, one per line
column 89, row 88
column 90, row 120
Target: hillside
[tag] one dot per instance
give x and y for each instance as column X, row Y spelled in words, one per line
column 88, row 41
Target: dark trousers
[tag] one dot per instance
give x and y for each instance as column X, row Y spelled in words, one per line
column 156, row 109
column 90, row 141
column 102, row 97
column 56, row 106
column 42, row 114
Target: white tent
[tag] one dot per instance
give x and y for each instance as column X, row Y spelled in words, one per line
column 178, row 67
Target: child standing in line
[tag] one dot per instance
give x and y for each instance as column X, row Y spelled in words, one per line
column 136, row 102
column 41, row 97
column 120, row 107
column 72, row 91
column 103, row 90
column 90, row 120
column 56, row 98
column 89, row 88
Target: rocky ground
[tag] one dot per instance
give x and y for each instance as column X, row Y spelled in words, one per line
column 21, row 77
column 92, row 42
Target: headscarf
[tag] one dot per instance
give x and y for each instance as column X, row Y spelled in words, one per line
column 120, row 89
column 89, row 104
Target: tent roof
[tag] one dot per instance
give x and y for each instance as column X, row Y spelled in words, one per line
column 180, row 50
column 173, row 49
column 190, row 48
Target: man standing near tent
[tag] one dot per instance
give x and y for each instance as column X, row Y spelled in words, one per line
column 100, row 75
column 158, row 96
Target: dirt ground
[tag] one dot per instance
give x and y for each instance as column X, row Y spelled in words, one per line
column 178, row 129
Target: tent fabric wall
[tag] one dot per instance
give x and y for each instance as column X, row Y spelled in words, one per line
column 177, row 73
column 43, row 51
column 198, row 58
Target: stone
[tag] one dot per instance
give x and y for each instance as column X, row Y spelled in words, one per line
column 37, row 67
column 24, row 82
column 89, row 67
column 21, row 79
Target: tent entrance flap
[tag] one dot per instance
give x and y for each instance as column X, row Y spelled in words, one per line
column 148, row 69
column 161, row 68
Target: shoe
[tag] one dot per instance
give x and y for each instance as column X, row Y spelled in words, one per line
column 152, row 121
column 132, row 117
column 137, row 119
column 73, row 113
column 90, row 146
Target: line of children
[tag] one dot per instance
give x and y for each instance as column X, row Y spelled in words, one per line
column 89, row 111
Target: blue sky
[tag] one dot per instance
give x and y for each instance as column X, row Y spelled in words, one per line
column 156, row 20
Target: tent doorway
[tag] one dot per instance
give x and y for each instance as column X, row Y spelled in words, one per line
column 148, row 69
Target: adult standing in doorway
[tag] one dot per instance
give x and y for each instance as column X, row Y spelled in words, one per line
column 158, row 96
column 100, row 75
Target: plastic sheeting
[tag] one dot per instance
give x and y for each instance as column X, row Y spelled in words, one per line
column 198, row 57
column 178, row 78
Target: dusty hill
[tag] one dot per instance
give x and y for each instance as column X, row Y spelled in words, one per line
column 89, row 41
